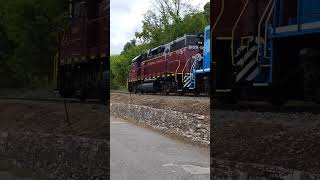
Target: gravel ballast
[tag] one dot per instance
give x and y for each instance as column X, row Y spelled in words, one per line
column 288, row 140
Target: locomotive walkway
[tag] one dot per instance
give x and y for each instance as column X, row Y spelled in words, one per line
column 142, row 154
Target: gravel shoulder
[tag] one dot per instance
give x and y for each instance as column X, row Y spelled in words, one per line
column 289, row 140
column 10, row 172
column 185, row 104
column 87, row 120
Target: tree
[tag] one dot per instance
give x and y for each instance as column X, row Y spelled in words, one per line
column 120, row 65
column 207, row 11
column 129, row 45
column 169, row 20
column 31, row 29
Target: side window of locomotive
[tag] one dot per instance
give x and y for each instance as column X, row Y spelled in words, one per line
column 158, row 51
column 191, row 40
column 144, row 57
column 167, row 49
column 154, row 53
column 178, row 45
column 149, row 55
column 161, row 50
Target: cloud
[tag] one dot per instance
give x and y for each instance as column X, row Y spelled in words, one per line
column 125, row 20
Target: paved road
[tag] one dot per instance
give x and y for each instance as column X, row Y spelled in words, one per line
column 141, row 154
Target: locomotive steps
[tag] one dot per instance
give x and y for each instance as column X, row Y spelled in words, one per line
column 158, row 115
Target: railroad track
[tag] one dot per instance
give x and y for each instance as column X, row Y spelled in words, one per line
column 252, row 106
column 170, row 95
column 290, row 107
column 68, row 100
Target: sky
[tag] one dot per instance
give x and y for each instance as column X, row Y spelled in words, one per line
column 126, row 19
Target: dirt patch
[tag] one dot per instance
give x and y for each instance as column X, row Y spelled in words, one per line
column 280, row 139
column 10, row 168
column 88, row 120
column 195, row 105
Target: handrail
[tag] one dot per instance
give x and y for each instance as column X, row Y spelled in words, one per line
column 215, row 25
column 176, row 76
column 55, row 67
column 248, row 39
column 259, row 29
column 176, row 72
column 97, row 19
column 266, row 27
column 185, row 67
column 193, row 66
column 64, row 34
column 234, row 28
column 219, row 16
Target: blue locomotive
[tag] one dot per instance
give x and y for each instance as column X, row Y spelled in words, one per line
column 267, row 50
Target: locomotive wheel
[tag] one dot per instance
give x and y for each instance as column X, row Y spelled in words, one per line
column 227, row 99
column 196, row 92
column 104, row 99
column 278, row 101
column 66, row 93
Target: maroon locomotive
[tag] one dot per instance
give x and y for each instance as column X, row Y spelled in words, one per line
column 82, row 63
column 163, row 69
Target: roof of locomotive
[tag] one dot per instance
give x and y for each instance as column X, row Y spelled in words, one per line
column 162, row 47
column 135, row 59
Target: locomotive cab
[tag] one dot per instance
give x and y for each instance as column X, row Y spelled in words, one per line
column 82, row 64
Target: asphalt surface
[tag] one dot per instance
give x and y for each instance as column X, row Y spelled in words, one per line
column 142, row 154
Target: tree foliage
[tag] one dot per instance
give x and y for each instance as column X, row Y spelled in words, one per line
column 29, row 38
column 120, row 65
column 168, row 20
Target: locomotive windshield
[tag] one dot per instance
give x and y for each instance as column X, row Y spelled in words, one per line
column 187, row 40
column 178, row 44
column 191, row 40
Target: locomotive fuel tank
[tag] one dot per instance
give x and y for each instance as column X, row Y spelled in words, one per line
column 150, row 87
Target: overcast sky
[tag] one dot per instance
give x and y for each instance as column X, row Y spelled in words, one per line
column 126, row 17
